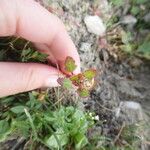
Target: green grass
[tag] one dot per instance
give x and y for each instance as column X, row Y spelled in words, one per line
column 35, row 119
column 56, row 127
column 40, row 116
column 132, row 43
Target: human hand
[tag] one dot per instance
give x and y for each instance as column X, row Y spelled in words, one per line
column 29, row 20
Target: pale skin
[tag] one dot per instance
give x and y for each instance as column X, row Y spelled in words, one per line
column 29, row 20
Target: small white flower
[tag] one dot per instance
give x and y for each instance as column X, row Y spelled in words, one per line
column 96, row 117
column 93, row 118
column 90, row 114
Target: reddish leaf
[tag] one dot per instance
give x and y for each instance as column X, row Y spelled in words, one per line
column 65, row 82
column 83, row 92
column 77, row 79
column 89, row 74
column 70, row 65
column 60, row 81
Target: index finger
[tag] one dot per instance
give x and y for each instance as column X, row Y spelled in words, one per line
column 31, row 21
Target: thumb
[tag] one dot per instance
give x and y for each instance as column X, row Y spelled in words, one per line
column 21, row 77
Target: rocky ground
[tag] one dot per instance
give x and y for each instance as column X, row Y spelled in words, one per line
column 122, row 93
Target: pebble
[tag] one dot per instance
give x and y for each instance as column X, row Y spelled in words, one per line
column 132, row 111
column 85, row 47
column 95, row 25
column 147, row 18
column 132, row 105
column 129, row 19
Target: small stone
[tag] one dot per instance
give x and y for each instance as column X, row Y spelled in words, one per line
column 96, row 118
column 85, row 47
column 132, row 105
column 131, row 111
column 129, row 19
column 95, row 25
column 147, row 18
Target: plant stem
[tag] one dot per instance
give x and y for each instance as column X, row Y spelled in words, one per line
column 31, row 123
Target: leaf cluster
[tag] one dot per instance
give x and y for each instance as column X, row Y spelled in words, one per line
column 139, row 44
column 36, row 120
column 83, row 81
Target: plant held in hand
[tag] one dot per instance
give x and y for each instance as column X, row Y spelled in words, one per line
column 83, row 81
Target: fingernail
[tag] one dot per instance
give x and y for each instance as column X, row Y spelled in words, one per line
column 52, row 81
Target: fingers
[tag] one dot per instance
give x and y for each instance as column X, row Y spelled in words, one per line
column 20, row 77
column 31, row 21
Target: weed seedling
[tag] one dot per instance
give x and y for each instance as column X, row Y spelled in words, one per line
column 84, row 81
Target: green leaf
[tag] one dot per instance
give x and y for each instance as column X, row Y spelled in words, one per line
column 48, row 116
column 18, row 109
column 89, row 74
column 80, row 120
column 76, row 79
column 62, row 137
column 144, row 50
column 70, row 65
column 141, row 1
column 4, row 126
column 117, row 3
column 83, row 92
column 39, row 56
column 33, row 102
column 135, row 10
column 80, row 141
column 127, row 48
column 4, row 130
column 7, row 100
column 126, row 37
column 33, row 55
column 22, row 127
column 145, row 47
column 65, row 82
column 69, row 123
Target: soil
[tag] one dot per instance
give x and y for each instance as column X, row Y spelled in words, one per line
column 118, row 79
